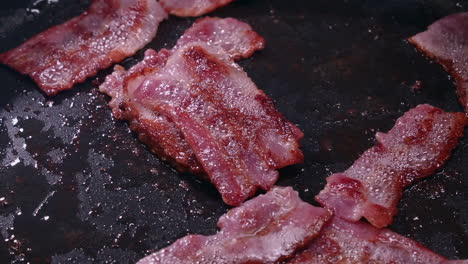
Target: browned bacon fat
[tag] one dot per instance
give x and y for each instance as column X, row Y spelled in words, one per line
column 108, row 32
column 446, row 41
column 418, row 144
column 192, row 8
column 195, row 107
column 352, row 243
column 265, row 229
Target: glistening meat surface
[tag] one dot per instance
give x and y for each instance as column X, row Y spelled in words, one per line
column 419, row 143
column 265, row 229
column 192, row 8
column 71, row 52
column 155, row 129
column 235, row 132
column 235, row 37
column 352, row 243
column 195, row 107
column 446, row 41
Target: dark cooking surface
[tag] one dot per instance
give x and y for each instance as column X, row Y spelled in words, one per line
column 76, row 186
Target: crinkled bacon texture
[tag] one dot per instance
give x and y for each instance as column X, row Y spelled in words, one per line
column 194, row 106
column 266, row 229
column 67, row 54
column 446, row 41
column 192, row 8
column 235, row 37
column 419, row 143
column 352, row 243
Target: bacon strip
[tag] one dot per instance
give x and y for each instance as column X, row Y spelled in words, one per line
column 235, row 37
column 419, row 143
column 192, row 8
column 202, row 112
column 155, row 129
column 344, row 242
column 234, row 130
column 67, row 54
column 446, row 41
column 266, row 229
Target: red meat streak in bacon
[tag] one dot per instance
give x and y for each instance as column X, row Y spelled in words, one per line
column 154, row 129
column 352, row 243
column 266, row 229
column 235, row 132
column 224, row 126
column 192, row 8
column 419, row 143
column 67, row 54
column 446, row 41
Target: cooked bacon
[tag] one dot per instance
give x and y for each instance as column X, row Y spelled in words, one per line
column 154, row 129
column 192, row 8
column 71, row 52
column 196, row 108
column 235, row 37
column 446, row 41
column 235, row 132
column 419, row 143
column 352, row 243
column 265, row 229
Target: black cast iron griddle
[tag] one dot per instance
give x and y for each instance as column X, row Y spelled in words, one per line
column 76, row 186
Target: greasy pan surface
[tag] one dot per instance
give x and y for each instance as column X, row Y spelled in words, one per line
column 77, row 186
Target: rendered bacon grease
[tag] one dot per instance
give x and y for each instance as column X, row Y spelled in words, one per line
column 196, row 107
column 71, row 52
column 352, row 243
column 266, row 229
column 446, row 41
column 419, row 143
column 192, row 8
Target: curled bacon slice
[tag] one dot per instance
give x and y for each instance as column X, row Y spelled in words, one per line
column 69, row 53
column 155, row 129
column 419, row 143
column 266, row 229
column 446, row 41
column 233, row 128
column 195, row 107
